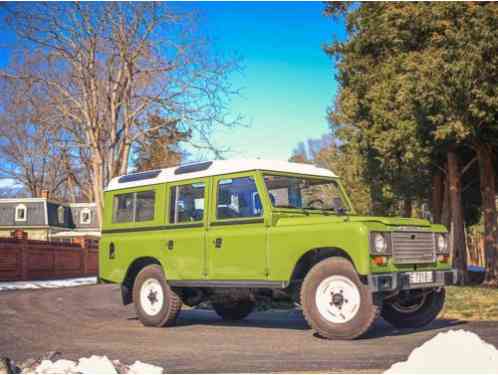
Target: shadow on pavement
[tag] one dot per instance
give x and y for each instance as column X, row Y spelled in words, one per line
column 293, row 319
column 281, row 319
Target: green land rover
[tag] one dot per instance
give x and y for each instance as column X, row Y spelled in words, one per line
column 233, row 232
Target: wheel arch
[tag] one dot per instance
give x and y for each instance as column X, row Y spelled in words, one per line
column 133, row 269
column 314, row 256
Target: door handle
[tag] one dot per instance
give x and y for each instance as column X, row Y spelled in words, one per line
column 112, row 251
column 218, row 242
column 171, row 244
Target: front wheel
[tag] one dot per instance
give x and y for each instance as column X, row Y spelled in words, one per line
column 157, row 305
column 413, row 309
column 336, row 304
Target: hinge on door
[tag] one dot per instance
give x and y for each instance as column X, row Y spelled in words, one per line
column 267, row 272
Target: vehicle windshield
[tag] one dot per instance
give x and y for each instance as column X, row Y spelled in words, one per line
column 305, row 193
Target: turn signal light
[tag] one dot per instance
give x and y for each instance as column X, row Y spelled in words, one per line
column 444, row 258
column 379, row 260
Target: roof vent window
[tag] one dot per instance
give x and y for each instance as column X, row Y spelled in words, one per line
column 139, row 176
column 190, row 168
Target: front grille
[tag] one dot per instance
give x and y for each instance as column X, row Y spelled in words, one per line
column 413, row 247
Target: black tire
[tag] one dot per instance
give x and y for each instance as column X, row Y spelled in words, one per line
column 359, row 321
column 233, row 310
column 414, row 317
column 171, row 302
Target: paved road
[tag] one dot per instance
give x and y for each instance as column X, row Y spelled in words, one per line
column 90, row 320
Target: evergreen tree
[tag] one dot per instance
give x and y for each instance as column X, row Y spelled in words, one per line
column 418, row 87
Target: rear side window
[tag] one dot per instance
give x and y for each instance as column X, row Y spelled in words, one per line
column 144, row 206
column 186, row 203
column 132, row 207
column 238, row 197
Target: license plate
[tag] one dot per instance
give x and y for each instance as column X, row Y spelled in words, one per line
column 421, row 277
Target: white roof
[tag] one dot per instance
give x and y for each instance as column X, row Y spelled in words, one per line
column 220, row 167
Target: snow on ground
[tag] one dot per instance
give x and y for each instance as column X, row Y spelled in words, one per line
column 94, row 365
column 452, row 352
column 16, row 285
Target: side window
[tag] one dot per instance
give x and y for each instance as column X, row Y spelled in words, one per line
column 60, row 214
column 85, row 216
column 132, row 207
column 144, row 206
column 186, row 203
column 21, row 213
column 238, row 197
column 123, row 208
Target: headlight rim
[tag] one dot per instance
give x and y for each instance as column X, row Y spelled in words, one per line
column 373, row 249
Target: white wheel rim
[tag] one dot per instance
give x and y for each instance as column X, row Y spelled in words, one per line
column 151, row 296
column 338, row 299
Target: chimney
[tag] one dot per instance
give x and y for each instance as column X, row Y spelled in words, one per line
column 44, row 193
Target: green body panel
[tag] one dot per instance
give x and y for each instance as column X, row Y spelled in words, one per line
column 263, row 248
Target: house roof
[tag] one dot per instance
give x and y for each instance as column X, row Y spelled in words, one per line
column 213, row 168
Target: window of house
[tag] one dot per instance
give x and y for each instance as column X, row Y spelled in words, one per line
column 85, row 216
column 21, row 213
column 238, row 197
column 60, row 214
column 186, row 203
column 134, row 207
column 144, row 205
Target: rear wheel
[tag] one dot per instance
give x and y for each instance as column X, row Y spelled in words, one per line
column 336, row 304
column 157, row 305
column 233, row 310
column 413, row 309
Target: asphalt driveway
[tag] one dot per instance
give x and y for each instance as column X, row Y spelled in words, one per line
column 88, row 320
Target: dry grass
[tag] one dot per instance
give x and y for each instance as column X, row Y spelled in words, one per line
column 471, row 303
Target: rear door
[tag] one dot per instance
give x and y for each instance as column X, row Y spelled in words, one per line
column 185, row 236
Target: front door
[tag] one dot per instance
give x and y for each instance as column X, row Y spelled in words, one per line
column 237, row 234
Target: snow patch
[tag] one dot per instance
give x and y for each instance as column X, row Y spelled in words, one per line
column 18, row 285
column 144, row 368
column 94, row 365
column 452, row 352
column 62, row 366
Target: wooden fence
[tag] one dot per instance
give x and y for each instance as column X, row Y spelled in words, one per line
column 22, row 259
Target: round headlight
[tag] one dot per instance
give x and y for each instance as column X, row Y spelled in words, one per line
column 379, row 243
column 442, row 243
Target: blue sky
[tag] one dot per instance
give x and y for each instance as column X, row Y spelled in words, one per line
column 287, row 82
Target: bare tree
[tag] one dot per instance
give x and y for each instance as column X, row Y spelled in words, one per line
column 29, row 157
column 104, row 67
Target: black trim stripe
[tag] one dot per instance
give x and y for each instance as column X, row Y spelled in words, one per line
column 155, row 228
column 229, row 283
column 237, row 222
column 181, row 226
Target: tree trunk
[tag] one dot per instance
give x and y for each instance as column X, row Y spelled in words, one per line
column 488, row 195
column 407, row 208
column 98, row 186
column 437, row 197
column 457, row 231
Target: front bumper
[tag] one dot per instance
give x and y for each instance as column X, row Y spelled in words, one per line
column 388, row 282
